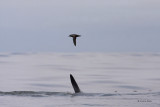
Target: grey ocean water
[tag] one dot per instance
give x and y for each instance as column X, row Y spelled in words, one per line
column 106, row 79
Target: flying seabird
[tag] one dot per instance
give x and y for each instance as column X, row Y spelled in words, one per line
column 74, row 37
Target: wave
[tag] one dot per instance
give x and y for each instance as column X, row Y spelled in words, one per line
column 46, row 94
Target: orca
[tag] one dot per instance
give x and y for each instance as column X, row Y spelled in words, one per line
column 74, row 84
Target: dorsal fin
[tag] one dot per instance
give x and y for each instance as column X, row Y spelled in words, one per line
column 74, row 84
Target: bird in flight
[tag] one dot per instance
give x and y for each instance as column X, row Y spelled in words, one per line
column 74, row 36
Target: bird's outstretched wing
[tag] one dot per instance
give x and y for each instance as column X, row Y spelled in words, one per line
column 78, row 35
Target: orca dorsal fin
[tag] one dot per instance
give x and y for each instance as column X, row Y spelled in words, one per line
column 74, row 84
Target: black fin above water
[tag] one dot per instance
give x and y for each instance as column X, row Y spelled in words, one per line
column 74, row 84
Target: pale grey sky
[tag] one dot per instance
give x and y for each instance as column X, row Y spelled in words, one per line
column 105, row 25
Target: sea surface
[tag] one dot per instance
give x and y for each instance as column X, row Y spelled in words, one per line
column 105, row 79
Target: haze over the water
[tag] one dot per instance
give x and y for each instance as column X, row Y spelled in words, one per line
column 105, row 25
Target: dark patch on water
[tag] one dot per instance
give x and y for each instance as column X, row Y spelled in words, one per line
column 48, row 85
column 155, row 79
column 69, row 55
column 19, row 53
column 4, row 55
column 130, row 87
column 41, row 79
column 65, row 69
column 107, row 81
column 137, row 54
column 156, row 54
column 118, row 68
column 146, row 54
column 58, row 67
column 3, row 62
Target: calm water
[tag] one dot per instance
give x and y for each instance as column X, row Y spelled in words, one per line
column 106, row 79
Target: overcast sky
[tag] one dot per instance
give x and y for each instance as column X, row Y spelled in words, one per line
column 105, row 25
